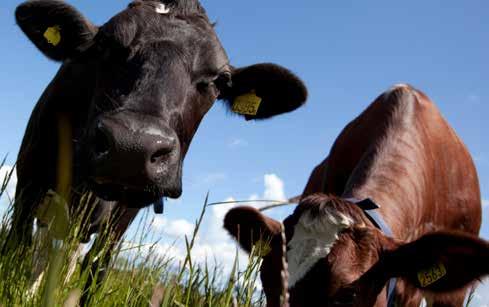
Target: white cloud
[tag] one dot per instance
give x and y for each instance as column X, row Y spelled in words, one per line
column 473, row 98
column 485, row 203
column 175, row 228
column 236, row 142
column 274, row 188
column 213, row 242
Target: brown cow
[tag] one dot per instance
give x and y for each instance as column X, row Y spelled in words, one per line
column 403, row 155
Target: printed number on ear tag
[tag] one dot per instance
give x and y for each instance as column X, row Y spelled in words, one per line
column 431, row 275
column 247, row 104
column 53, row 35
column 262, row 248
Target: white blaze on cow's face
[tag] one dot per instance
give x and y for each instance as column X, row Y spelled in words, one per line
column 314, row 236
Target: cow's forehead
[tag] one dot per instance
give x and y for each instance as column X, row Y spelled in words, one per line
column 313, row 237
column 147, row 23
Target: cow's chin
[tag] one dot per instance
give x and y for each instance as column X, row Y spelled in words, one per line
column 133, row 197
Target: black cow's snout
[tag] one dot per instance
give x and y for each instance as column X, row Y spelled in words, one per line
column 133, row 155
column 101, row 142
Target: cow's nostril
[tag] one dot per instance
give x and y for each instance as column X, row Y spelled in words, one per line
column 159, row 155
column 102, row 143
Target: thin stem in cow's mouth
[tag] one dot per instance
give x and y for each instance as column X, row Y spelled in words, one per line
column 275, row 203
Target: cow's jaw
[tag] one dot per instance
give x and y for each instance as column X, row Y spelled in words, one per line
column 313, row 238
column 137, row 196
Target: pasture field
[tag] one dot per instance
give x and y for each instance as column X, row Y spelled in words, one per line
column 137, row 275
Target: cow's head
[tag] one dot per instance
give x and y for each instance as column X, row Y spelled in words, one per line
column 337, row 258
column 138, row 87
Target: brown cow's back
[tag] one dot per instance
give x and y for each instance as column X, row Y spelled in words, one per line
column 401, row 153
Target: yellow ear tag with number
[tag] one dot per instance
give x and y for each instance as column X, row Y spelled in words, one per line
column 262, row 248
column 247, row 104
column 431, row 275
column 53, row 35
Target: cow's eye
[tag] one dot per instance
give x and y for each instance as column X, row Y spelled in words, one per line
column 223, row 80
column 214, row 83
column 344, row 297
column 204, row 85
column 110, row 47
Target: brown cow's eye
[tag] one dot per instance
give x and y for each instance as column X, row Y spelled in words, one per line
column 344, row 297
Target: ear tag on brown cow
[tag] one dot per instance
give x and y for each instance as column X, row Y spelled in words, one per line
column 262, row 248
column 162, row 9
column 53, row 35
column 247, row 104
column 431, row 275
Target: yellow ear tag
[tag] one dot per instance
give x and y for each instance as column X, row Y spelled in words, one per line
column 247, row 104
column 262, row 248
column 53, row 35
column 431, row 275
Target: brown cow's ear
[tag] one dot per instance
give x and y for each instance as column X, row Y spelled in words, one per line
column 56, row 28
column 441, row 261
column 436, row 262
column 249, row 226
column 263, row 90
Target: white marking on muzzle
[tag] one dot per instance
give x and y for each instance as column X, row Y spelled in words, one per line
column 162, row 9
column 152, row 131
column 314, row 236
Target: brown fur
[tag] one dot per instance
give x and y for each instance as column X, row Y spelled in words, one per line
column 401, row 153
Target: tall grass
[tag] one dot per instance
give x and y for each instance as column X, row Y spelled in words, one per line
column 137, row 275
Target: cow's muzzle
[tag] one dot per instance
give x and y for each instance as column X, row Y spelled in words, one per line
column 139, row 163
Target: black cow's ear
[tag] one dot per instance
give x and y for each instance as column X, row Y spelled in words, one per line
column 263, row 90
column 56, row 28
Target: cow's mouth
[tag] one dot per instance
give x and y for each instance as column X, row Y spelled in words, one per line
column 136, row 197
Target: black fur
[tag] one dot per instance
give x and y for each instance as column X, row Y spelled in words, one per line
column 135, row 90
column 280, row 89
column 34, row 17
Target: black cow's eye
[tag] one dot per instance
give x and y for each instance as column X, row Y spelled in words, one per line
column 216, row 83
column 223, row 80
column 203, row 86
column 206, row 83
column 110, row 47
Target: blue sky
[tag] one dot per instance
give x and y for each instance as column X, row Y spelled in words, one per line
column 347, row 52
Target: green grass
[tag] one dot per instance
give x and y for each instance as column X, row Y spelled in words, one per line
column 136, row 275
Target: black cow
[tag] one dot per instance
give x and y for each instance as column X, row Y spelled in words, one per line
column 133, row 91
